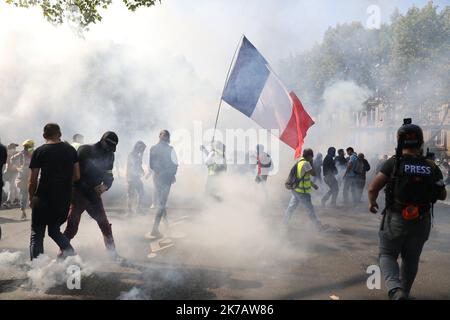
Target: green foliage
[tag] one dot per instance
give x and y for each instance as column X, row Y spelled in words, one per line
column 406, row 61
column 81, row 12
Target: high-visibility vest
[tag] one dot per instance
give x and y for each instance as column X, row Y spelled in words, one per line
column 305, row 185
column 216, row 168
column 76, row 145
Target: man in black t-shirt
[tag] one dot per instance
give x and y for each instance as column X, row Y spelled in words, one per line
column 49, row 195
column 413, row 184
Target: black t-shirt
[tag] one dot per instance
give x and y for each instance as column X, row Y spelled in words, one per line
column 56, row 162
column 387, row 168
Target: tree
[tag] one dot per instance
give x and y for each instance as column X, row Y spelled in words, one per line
column 81, row 12
column 405, row 62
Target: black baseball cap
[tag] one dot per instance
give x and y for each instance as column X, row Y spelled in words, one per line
column 111, row 138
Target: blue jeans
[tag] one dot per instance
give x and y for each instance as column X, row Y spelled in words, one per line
column 305, row 200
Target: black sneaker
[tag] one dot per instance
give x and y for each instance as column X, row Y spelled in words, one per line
column 397, row 294
column 63, row 254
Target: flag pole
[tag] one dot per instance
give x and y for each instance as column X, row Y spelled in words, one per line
column 224, row 86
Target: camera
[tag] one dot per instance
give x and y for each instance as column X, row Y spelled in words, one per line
column 407, row 121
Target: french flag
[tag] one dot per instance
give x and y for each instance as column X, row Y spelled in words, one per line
column 255, row 90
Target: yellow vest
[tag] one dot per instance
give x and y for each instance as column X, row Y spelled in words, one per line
column 305, row 185
column 215, row 168
column 76, row 145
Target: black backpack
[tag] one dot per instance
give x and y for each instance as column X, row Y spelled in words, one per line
column 292, row 181
column 414, row 188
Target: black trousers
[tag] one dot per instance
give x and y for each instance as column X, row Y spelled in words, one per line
column 37, row 239
column 40, row 220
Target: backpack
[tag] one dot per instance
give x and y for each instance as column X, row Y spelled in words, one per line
column 359, row 168
column 268, row 163
column 415, row 186
column 292, row 181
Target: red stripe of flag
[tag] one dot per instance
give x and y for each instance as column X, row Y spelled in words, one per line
column 297, row 127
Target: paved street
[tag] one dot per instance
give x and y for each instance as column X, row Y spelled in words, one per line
column 247, row 259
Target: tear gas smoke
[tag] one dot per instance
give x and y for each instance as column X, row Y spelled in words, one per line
column 46, row 273
column 164, row 67
column 11, row 259
column 133, row 294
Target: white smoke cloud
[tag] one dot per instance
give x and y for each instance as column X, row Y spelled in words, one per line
column 133, row 294
column 162, row 67
column 342, row 100
column 46, row 273
column 11, row 259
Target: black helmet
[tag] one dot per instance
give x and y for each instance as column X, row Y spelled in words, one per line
column 410, row 136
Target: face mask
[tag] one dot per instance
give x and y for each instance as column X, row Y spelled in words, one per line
column 107, row 146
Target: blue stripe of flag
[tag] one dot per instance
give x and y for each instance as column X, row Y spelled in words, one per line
column 247, row 79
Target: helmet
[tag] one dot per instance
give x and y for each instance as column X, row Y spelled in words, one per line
column 28, row 143
column 410, row 136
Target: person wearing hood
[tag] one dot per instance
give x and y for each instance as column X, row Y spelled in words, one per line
column 96, row 177
column 164, row 164
column 329, row 176
column 22, row 161
column 134, row 175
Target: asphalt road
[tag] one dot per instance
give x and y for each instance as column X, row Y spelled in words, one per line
column 213, row 262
